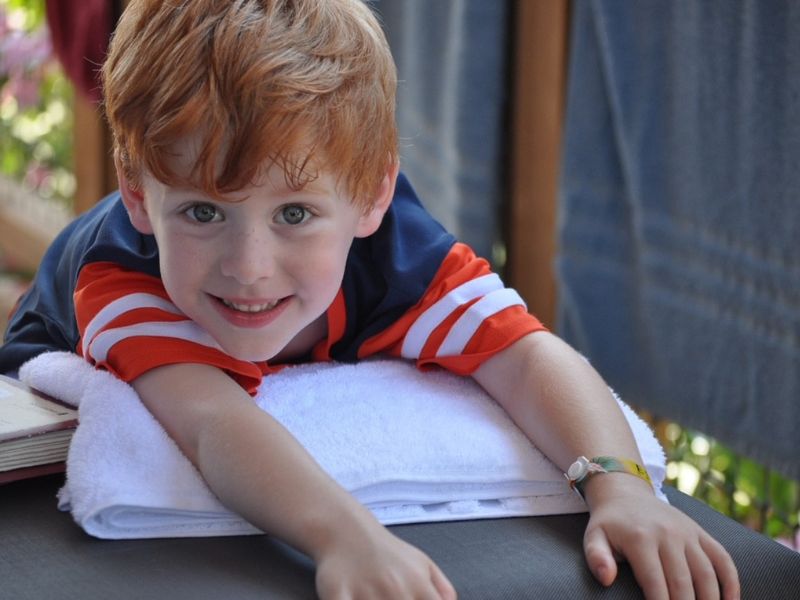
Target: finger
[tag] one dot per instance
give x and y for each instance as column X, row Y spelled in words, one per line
column 724, row 566
column 328, row 589
column 599, row 556
column 337, row 593
column 442, row 584
column 430, row 593
column 647, row 566
column 677, row 573
column 706, row 586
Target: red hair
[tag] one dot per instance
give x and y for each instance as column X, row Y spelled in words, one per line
column 307, row 84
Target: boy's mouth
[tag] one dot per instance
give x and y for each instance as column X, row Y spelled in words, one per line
column 248, row 314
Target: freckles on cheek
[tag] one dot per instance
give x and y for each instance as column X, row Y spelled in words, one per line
column 179, row 265
column 186, row 250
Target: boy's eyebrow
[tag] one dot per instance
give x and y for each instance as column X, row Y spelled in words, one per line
column 185, row 193
column 280, row 191
column 281, row 187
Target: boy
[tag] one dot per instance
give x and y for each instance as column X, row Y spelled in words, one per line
column 261, row 221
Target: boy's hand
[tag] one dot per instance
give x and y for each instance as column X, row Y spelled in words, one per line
column 378, row 565
column 671, row 555
column 256, row 468
column 566, row 410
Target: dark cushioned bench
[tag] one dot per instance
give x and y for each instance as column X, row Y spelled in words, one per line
column 44, row 554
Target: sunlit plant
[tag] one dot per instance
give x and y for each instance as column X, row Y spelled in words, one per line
column 735, row 486
column 35, row 104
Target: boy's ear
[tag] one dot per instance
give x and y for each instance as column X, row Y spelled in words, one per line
column 371, row 220
column 133, row 200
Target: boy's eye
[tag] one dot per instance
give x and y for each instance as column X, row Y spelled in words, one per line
column 293, row 214
column 203, row 213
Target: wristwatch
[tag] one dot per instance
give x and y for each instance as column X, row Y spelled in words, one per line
column 583, row 468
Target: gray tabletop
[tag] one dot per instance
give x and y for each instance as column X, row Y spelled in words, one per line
column 43, row 554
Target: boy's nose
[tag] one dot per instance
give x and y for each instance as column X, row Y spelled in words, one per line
column 249, row 256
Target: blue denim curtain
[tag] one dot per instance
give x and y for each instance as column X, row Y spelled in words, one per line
column 680, row 217
column 451, row 57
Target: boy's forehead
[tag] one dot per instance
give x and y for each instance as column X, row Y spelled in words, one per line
column 183, row 155
column 183, row 159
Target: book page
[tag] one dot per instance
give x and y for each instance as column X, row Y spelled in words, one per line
column 24, row 412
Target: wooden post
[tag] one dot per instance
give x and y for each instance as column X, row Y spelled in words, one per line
column 94, row 166
column 540, row 57
column 95, row 175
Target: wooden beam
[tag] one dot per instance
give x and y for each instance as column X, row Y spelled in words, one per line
column 95, row 175
column 540, row 63
column 11, row 288
column 28, row 224
column 94, row 166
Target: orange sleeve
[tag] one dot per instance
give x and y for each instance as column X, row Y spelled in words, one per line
column 128, row 325
column 465, row 317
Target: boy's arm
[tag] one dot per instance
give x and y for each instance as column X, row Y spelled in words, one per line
column 261, row 472
column 566, row 409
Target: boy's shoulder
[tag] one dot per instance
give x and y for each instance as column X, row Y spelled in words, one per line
column 105, row 234
column 410, row 243
column 408, row 225
column 44, row 318
column 390, row 271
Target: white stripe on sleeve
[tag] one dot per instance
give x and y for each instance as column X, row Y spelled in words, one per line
column 119, row 307
column 182, row 330
column 422, row 328
column 467, row 324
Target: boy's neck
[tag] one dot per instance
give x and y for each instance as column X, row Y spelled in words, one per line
column 302, row 344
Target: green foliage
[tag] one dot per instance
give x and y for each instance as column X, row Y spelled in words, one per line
column 735, row 486
column 32, row 12
column 35, row 104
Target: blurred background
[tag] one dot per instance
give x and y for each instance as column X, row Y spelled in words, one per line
column 631, row 168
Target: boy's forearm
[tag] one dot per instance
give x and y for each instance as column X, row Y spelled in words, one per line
column 255, row 467
column 558, row 400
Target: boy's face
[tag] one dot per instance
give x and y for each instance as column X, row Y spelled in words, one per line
column 259, row 273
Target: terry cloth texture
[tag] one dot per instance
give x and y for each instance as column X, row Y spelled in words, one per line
column 412, row 446
column 680, row 265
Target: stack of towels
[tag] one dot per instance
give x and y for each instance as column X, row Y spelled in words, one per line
column 411, row 446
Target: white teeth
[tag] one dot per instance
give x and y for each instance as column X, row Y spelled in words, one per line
column 250, row 308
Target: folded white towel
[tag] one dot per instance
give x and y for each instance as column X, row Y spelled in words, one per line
column 412, row 446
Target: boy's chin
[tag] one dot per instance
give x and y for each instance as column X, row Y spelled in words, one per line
column 250, row 354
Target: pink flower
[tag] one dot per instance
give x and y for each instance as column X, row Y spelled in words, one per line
column 37, row 175
column 23, row 57
column 4, row 28
column 25, row 90
column 21, row 50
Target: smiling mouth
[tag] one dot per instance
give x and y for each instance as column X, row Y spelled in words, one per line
column 251, row 308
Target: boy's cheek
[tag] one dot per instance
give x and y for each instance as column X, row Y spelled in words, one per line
column 183, row 257
column 320, row 256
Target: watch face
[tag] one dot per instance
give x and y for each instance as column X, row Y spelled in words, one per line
column 578, row 469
